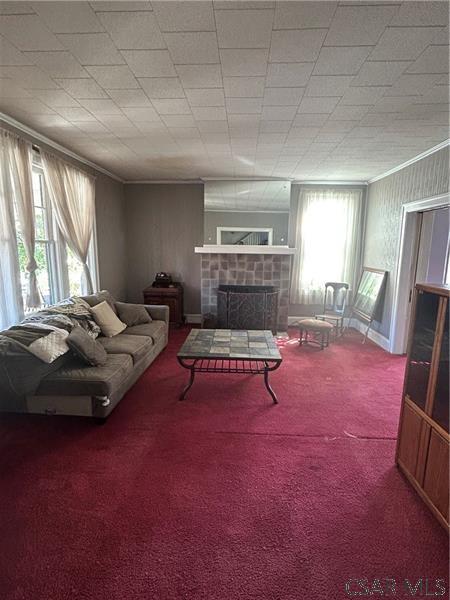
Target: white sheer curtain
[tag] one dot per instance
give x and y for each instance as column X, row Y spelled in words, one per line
column 328, row 240
column 72, row 194
column 11, row 303
column 20, row 160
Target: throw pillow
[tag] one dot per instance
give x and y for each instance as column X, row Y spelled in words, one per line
column 86, row 348
column 95, row 299
column 132, row 314
column 107, row 320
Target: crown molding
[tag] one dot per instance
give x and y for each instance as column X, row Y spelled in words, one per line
column 166, row 181
column 306, row 182
column 49, row 142
column 432, row 150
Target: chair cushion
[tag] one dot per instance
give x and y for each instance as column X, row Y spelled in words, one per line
column 134, row 345
column 76, row 378
column 315, row 325
column 155, row 329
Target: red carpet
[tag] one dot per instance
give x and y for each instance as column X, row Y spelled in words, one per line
column 224, row 496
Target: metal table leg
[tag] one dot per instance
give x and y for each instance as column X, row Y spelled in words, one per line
column 267, row 384
column 191, row 377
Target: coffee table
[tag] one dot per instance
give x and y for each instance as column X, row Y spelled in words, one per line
column 230, row 351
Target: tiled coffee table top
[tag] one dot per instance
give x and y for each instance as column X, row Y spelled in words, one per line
column 230, row 343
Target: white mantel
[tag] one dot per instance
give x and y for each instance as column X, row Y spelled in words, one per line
column 229, row 249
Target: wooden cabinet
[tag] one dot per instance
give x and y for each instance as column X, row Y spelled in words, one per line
column 169, row 296
column 423, row 438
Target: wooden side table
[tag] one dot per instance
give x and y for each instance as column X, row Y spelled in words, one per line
column 169, row 296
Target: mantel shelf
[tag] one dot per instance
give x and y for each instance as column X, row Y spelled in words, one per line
column 224, row 249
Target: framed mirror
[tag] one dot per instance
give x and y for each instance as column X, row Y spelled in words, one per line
column 369, row 293
column 254, row 213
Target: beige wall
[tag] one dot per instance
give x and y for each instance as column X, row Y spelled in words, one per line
column 423, row 179
column 111, row 242
column 164, row 222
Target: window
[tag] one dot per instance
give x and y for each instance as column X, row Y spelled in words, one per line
column 59, row 272
column 328, row 234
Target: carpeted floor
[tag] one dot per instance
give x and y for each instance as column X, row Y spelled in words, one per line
column 224, row 496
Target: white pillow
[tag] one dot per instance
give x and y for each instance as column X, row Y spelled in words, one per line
column 49, row 347
column 107, row 320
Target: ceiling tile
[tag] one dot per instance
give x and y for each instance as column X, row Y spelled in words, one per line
column 75, row 113
column 296, row 45
column 184, row 16
column 410, row 84
column 212, row 126
column 341, row 60
column 242, row 4
column 310, row 119
column 15, row 8
column 364, row 95
column 179, row 121
column 150, row 63
column 380, row 73
column 244, row 28
column 244, row 87
column 29, row 77
column 328, row 85
column 278, row 113
column 27, row 32
column 206, row 97
column 402, row 43
column 10, row 55
column 116, row 5
column 133, row 30
column 82, row 88
column 184, row 133
column 349, row 113
column 275, row 126
column 199, row 76
column 141, row 114
column 289, row 96
column 172, row 106
column 57, row 64
column 243, row 106
column 318, row 105
column 236, row 63
column 56, row 98
column 288, row 74
column 101, row 106
column 422, row 13
column 209, row 113
column 114, row 77
column 32, row 106
column 68, row 17
column 162, row 87
column 359, row 25
column 92, row 48
column 434, row 59
column 393, row 104
column 11, row 89
column 192, row 48
column 303, row 15
column 130, row 98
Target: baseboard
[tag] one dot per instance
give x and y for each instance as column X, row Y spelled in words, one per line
column 193, row 319
column 373, row 335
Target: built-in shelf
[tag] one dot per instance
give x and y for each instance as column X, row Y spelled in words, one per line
column 224, row 249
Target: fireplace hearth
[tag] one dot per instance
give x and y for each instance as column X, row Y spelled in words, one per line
column 247, row 307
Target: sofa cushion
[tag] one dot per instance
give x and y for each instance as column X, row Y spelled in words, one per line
column 132, row 314
column 76, row 378
column 103, row 296
column 155, row 330
column 134, row 345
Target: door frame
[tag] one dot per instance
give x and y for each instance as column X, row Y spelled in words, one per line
column 403, row 274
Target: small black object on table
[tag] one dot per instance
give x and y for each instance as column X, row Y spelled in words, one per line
column 230, row 351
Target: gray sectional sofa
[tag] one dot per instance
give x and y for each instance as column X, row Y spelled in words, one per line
column 75, row 388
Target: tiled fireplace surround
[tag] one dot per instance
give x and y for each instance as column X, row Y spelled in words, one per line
column 245, row 269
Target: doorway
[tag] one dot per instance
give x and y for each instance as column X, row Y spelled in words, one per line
column 422, row 257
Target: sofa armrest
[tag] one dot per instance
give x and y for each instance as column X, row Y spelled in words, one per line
column 158, row 312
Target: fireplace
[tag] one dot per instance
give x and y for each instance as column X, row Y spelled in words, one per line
column 247, row 307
